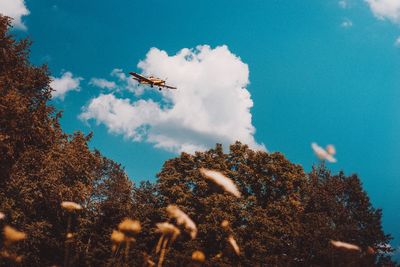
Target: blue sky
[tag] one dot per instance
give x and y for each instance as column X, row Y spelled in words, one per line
column 324, row 71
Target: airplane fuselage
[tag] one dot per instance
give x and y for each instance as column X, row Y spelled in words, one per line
column 154, row 81
column 151, row 80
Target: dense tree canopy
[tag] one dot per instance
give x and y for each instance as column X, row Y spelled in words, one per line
column 41, row 166
column 284, row 217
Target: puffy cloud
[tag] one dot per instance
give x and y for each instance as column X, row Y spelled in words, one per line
column 14, row 9
column 127, row 83
column 64, row 84
column 102, row 83
column 397, row 42
column 121, row 116
column 385, row 9
column 122, row 82
column 211, row 104
column 346, row 23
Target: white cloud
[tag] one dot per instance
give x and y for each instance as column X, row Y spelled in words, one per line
column 102, row 83
column 343, row 4
column 346, row 23
column 397, row 42
column 211, row 104
column 121, row 116
column 127, row 83
column 64, row 84
column 385, row 9
column 15, row 9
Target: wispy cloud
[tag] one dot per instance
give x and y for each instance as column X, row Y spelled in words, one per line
column 211, row 105
column 121, row 116
column 397, row 42
column 64, row 84
column 385, row 9
column 346, row 23
column 125, row 82
column 15, row 9
column 102, row 83
column 343, row 4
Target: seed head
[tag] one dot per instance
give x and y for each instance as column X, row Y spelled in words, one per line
column 117, row 236
column 234, row 245
column 225, row 224
column 322, row 154
column 11, row 256
column 70, row 206
column 168, row 229
column 129, row 227
column 331, row 149
column 340, row 244
column 182, row 219
column 12, row 235
column 370, row 250
column 198, row 256
column 227, row 184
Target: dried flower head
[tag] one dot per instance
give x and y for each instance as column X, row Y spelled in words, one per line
column 70, row 206
column 11, row 256
column 234, row 245
column 198, row 256
column 370, row 250
column 18, row 259
column 129, row 227
column 322, row 154
column 151, row 263
column 168, row 229
column 117, row 236
column 2, row 215
column 182, row 219
column 225, row 224
column 12, row 235
column 331, row 149
column 340, row 244
column 218, row 256
column 227, row 184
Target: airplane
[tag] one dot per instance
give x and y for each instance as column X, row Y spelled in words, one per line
column 151, row 80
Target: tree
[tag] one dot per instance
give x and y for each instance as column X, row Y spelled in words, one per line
column 285, row 217
column 338, row 208
column 265, row 220
column 41, row 166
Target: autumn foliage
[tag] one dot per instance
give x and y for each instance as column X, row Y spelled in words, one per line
column 282, row 217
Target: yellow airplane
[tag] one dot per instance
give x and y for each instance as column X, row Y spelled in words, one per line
column 151, row 80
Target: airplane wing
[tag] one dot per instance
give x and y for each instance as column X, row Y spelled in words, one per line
column 140, row 77
column 169, row 87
